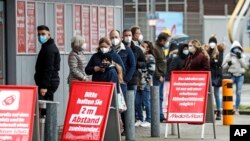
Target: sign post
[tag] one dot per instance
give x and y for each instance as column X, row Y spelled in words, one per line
column 188, row 97
column 17, row 108
column 88, row 111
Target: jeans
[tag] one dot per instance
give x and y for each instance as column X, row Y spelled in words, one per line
column 143, row 99
column 217, row 97
column 238, row 80
column 161, row 85
column 124, row 89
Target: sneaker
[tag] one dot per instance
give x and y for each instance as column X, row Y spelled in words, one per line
column 138, row 123
column 236, row 112
column 146, row 124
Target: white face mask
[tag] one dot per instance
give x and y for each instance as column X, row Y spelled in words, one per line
column 104, row 50
column 212, row 45
column 84, row 46
column 115, row 41
column 128, row 39
column 192, row 49
column 185, row 52
column 140, row 38
column 167, row 45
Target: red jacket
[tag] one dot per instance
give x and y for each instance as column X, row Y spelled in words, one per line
column 197, row 62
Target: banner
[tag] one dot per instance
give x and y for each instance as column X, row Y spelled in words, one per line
column 188, row 96
column 78, row 20
column 88, row 110
column 102, row 20
column 86, row 26
column 31, row 27
column 17, row 108
column 60, row 26
column 21, row 29
column 110, row 19
column 94, row 28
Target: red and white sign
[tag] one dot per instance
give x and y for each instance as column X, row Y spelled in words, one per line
column 102, row 18
column 17, row 107
column 21, row 31
column 60, row 26
column 188, row 96
column 31, row 27
column 110, row 18
column 88, row 110
column 86, row 26
column 78, row 20
column 94, row 28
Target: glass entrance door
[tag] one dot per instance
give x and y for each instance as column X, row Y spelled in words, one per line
column 2, row 46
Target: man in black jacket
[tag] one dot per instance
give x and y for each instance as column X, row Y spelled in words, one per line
column 47, row 65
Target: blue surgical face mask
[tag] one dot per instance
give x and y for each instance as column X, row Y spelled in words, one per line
column 42, row 39
column 235, row 50
column 186, row 52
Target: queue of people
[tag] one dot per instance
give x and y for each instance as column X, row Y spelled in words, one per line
column 135, row 64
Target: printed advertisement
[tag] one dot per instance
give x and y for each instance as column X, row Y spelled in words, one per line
column 31, row 27
column 86, row 26
column 188, row 96
column 17, row 107
column 20, row 23
column 94, row 28
column 87, row 111
column 110, row 18
column 78, row 20
column 60, row 26
column 102, row 15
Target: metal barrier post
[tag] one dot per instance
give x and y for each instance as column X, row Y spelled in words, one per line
column 49, row 123
column 228, row 115
column 155, row 111
column 130, row 115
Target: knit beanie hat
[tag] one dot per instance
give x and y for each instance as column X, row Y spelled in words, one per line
column 212, row 39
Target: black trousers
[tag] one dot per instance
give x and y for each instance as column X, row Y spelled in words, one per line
column 48, row 96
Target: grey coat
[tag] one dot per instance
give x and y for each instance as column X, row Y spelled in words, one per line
column 77, row 63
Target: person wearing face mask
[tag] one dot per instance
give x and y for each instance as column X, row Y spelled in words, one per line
column 178, row 62
column 198, row 59
column 47, row 66
column 235, row 64
column 172, row 53
column 77, row 60
column 216, row 58
column 127, row 57
column 95, row 67
column 139, row 60
column 160, row 71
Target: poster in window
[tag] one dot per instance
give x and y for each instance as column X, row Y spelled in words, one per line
column 31, row 27
column 94, row 28
column 102, row 19
column 86, row 26
column 110, row 18
column 78, row 20
column 60, row 26
column 21, row 28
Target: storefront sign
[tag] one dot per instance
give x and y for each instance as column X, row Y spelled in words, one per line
column 102, row 18
column 31, row 27
column 94, row 28
column 86, row 26
column 87, row 111
column 110, row 18
column 78, row 20
column 188, row 96
column 17, row 107
column 60, row 32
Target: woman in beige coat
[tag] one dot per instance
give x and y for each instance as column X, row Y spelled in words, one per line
column 77, row 60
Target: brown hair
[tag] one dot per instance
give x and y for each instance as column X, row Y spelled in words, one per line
column 133, row 29
column 104, row 40
column 196, row 43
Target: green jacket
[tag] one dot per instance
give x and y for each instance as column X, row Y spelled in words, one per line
column 160, row 62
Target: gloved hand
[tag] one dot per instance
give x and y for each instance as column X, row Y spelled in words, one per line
column 229, row 63
column 238, row 54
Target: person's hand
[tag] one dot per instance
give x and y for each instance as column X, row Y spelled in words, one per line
column 229, row 63
column 238, row 54
column 43, row 91
column 161, row 79
column 97, row 68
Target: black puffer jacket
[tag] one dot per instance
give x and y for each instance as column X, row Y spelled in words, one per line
column 48, row 65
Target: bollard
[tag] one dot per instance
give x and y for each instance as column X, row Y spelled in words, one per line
column 130, row 115
column 48, row 127
column 155, row 111
column 228, row 118
column 51, row 133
